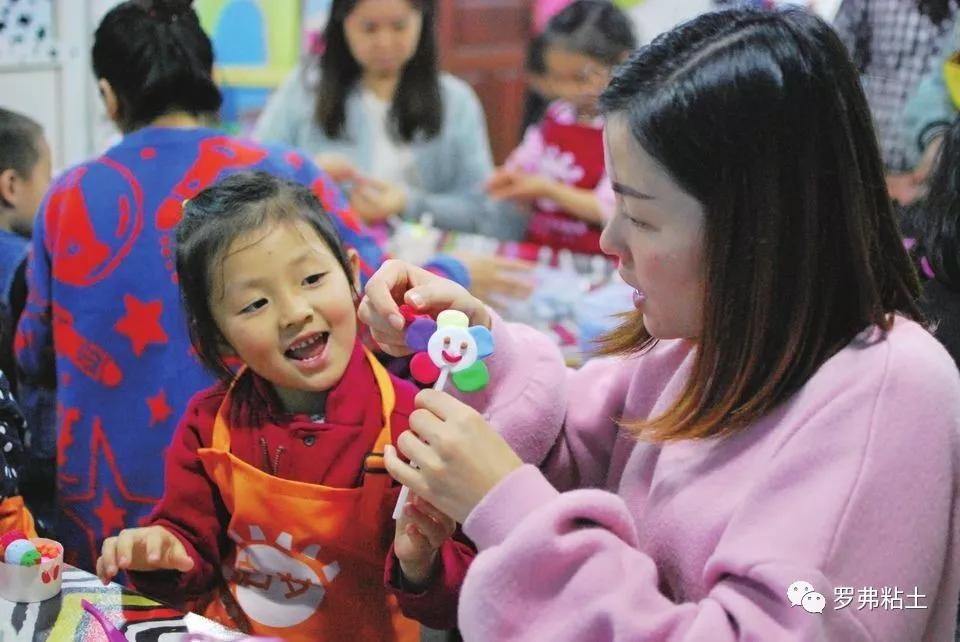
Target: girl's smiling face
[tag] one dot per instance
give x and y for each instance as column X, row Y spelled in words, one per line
column 657, row 235
column 285, row 306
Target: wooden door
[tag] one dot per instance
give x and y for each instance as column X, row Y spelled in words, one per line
column 484, row 43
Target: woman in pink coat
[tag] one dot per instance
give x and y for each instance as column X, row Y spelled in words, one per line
column 769, row 451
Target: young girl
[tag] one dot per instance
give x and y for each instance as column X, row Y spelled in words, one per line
column 102, row 348
column 558, row 168
column 276, row 507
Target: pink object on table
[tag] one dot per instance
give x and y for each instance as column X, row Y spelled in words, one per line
column 543, row 10
column 113, row 633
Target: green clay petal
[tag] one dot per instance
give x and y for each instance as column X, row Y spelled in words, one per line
column 474, row 378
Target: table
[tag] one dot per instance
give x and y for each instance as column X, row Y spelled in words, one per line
column 61, row 618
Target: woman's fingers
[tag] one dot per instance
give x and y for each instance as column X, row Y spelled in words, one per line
column 402, row 471
column 441, row 406
column 416, row 449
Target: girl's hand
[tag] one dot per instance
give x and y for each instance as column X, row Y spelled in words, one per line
column 421, row 531
column 376, row 201
column 460, row 456
column 398, row 282
column 516, row 185
column 152, row 548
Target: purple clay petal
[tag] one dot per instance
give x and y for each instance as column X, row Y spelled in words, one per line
column 418, row 334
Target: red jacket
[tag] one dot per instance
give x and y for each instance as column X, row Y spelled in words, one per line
column 328, row 451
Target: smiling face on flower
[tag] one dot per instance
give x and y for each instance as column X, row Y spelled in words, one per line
column 452, row 347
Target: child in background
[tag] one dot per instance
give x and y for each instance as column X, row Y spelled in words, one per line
column 277, row 509
column 13, row 514
column 558, row 169
column 24, row 179
column 933, row 225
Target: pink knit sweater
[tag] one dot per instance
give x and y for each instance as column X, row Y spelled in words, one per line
column 851, row 485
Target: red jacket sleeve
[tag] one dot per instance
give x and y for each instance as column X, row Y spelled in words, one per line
column 436, row 605
column 191, row 508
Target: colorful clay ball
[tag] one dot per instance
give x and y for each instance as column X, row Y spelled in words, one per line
column 21, row 552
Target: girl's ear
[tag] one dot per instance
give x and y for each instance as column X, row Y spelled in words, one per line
column 354, row 275
column 224, row 348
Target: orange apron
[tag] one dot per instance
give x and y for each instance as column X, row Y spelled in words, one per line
column 308, row 560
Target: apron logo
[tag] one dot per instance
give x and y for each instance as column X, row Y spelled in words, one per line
column 277, row 585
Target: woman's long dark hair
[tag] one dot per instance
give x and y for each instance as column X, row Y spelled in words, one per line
column 157, row 59
column 761, row 117
column 417, row 108
column 937, row 10
column 935, row 220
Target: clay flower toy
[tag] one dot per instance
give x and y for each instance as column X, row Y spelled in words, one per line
column 450, row 347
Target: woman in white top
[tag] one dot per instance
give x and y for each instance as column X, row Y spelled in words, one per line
column 405, row 138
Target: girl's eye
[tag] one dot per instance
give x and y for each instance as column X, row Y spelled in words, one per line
column 313, row 279
column 253, row 307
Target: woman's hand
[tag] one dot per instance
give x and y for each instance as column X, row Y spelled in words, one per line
column 492, row 276
column 398, row 282
column 517, row 185
column 461, row 458
column 337, row 167
column 376, row 201
column 152, row 548
column 421, row 531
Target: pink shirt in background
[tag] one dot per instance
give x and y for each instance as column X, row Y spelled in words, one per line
column 851, row 485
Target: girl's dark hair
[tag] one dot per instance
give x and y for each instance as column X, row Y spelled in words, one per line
column 935, row 220
column 417, row 108
column 595, row 28
column 214, row 219
column 157, row 59
column 760, row 116
column 937, row 10
column 534, row 105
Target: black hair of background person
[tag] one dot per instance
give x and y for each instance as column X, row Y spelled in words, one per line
column 534, row 104
column 417, row 109
column 157, row 59
column 934, row 221
column 936, row 10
